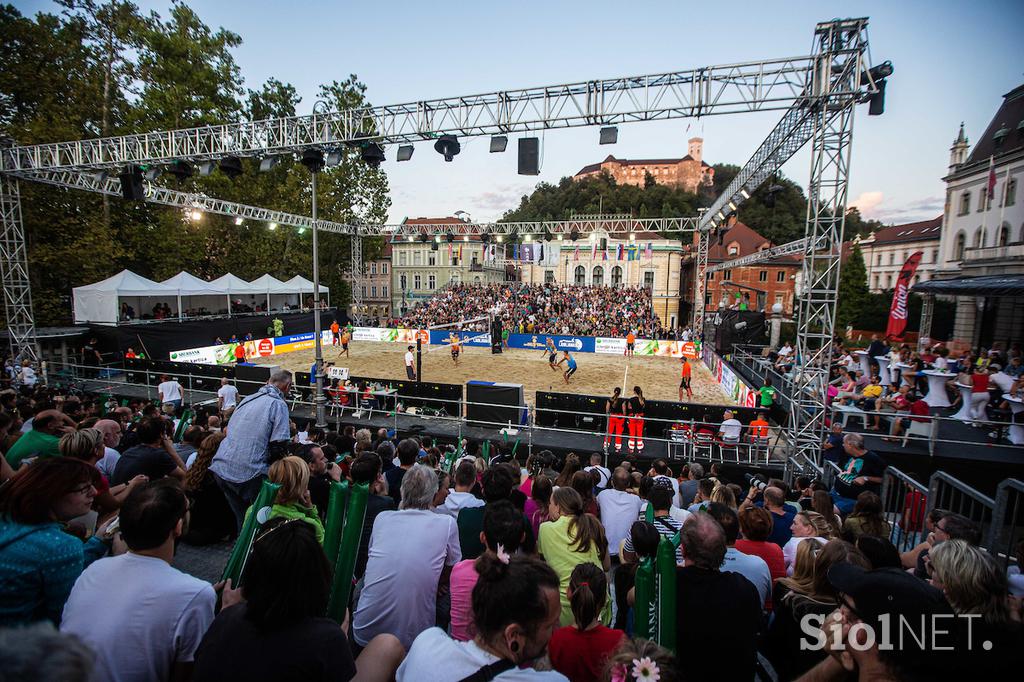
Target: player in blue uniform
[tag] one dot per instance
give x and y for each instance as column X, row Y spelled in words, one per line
column 570, row 365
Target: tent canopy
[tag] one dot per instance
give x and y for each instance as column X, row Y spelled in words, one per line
column 984, row 285
column 232, row 284
column 100, row 302
column 268, row 284
column 303, row 285
column 190, row 285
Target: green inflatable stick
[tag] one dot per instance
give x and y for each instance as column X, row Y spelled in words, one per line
column 346, row 564
column 335, row 521
column 643, row 626
column 233, row 569
column 666, row 568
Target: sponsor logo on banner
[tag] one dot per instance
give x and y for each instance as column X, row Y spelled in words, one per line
column 569, row 344
column 535, row 342
column 610, row 346
column 204, row 356
column 265, row 347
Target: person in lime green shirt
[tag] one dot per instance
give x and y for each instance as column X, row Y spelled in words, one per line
column 292, row 501
column 572, row 537
column 41, row 440
column 767, row 393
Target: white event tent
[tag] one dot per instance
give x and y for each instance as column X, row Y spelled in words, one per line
column 101, row 302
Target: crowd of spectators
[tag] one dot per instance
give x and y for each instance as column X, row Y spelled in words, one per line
column 544, row 309
column 496, row 568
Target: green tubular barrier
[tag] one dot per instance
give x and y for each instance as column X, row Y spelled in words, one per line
column 643, row 592
column 183, row 423
column 335, row 521
column 233, row 569
column 666, row 568
column 649, row 513
column 346, row 564
column 515, row 446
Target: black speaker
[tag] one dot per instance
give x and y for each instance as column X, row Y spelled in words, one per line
column 529, row 156
column 496, row 331
column 131, row 184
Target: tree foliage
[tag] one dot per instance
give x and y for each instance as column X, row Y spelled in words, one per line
column 853, row 291
column 102, row 67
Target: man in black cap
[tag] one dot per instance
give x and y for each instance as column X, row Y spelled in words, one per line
column 889, row 626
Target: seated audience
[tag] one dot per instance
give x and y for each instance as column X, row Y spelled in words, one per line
column 579, row 651
column 154, row 456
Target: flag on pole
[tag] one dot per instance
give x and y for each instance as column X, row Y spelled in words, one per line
column 898, row 310
column 576, row 256
column 618, row 252
column 991, row 186
column 650, row 250
column 449, row 252
column 515, row 252
column 460, row 252
column 593, row 250
column 604, row 254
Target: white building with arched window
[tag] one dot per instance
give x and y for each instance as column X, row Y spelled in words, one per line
column 983, row 234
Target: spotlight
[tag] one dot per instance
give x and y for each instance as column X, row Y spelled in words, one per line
column 732, row 206
column 745, row 193
column 449, row 237
column 153, row 172
column 302, row 230
column 434, row 244
column 272, row 226
column 180, row 169
column 485, row 237
column 410, row 237
column 448, row 146
column 609, row 135
column 720, row 216
column 239, row 221
column 313, row 159
column 206, row 168
column 231, row 166
column 437, row 239
column 424, row 238
column 498, row 237
column 334, row 157
column 195, row 214
column 561, row 238
column 876, row 103
column 574, row 234
column 405, row 152
column 878, row 74
column 268, row 162
column 527, row 238
column 547, row 234
column 465, row 238
column 593, row 237
column 632, row 237
column 373, row 155
column 498, row 143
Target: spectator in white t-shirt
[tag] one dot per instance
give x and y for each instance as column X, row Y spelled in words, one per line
column 515, row 611
column 227, row 397
column 619, row 509
column 459, row 497
column 410, row 368
column 660, row 471
column 602, row 471
column 409, row 550
column 169, row 392
column 142, row 618
column 729, row 430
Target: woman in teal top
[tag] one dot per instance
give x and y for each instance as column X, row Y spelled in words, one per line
column 39, row 561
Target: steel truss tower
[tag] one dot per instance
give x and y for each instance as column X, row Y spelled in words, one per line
column 14, row 272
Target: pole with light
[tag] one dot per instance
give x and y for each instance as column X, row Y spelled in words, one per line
column 313, row 159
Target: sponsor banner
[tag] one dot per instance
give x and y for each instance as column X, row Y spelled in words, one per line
column 573, row 344
column 731, row 383
column 610, row 346
column 673, row 349
column 441, row 337
column 204, row 356
column 374, row 334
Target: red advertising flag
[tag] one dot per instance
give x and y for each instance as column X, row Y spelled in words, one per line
column 898, row 310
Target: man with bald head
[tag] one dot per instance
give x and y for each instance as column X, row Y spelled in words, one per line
column 41, row 440
column 775, row 503
column 111, row 431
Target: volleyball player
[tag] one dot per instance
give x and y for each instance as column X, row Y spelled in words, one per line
column 453, row 339
column 335, row 333
column 346, row 336
column 549, row 348
column 684, row 382
column 570, row 365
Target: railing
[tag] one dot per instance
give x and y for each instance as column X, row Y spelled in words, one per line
column 1007, row 530
column 951, row 494
column 1001, row 253
column 905, row 505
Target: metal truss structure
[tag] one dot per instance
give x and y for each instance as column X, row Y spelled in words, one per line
column 788, row 249
column 700, row 281
column 818, row 93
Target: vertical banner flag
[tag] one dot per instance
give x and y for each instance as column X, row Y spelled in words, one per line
column 576, row 256
column 650, row 250
column 593, row 250
column 898, row 310
column 449, row 252
column 460, row 253
column 991, row 184
column 604, row 254
column 515, row 252
column 618, row 252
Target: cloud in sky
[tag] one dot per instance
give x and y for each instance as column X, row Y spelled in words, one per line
column 867, row 203
column 874, row 205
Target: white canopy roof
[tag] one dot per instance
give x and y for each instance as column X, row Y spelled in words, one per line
column 232, row 284
column 99, row 302
column 189, row 285
column 303, row 285
column 268, row 284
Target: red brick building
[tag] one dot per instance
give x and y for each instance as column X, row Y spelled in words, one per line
column 769, row 282
column 689, row 173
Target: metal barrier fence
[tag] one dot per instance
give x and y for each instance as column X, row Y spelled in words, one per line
column 905, row 505
column 1007, row 530
column 950, row 494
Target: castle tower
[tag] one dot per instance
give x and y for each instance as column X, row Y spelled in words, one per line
column 696, row 149
column 958, row 152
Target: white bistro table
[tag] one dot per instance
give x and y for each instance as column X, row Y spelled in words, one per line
column 883, row 369
column 964, row 414
column 936, row 396
column 865, row 362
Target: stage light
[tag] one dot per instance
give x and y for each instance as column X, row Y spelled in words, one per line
column 574, row 234
column 561, row 238
column 465, row 238
column 153, row 172
column 410, row 238
column 593, row 237
column 206, row 168
column 448, row 146
column 181, row 170
column 231, row 166
column 195, row 214
column 334, row 157
column 609, row 135
column 268, row 162
column 302, row 230
column 498, row 237
column 632, row 237
column 498, row 143
column 313, row 159
column 527, row 238
column 449, row 237
column 720, row 216
column 373, row 155
column 485, row 237
column 876, row 100
column 239, row 221
column 437, row 238
column 547, row 234
column 272, row 226
column 745, row 193
column 405, row 152
column 424, row 238
column 732, row 206
column 100, row 176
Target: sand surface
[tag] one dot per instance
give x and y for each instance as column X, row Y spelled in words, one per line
column 597, row 374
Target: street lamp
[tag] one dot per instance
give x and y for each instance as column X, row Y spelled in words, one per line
column 313, row 159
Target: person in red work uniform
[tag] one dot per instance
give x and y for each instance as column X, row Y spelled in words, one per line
column 636, row 421
column 615, row 408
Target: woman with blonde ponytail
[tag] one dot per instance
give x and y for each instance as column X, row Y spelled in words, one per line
column 571, row 537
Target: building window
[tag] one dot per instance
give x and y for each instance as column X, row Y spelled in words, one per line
column 892, row 257
column 778, row 298
column 649, row 279
column 707, row 300
column 549, row 277
column 711, row 276
column 598, row 277
column 874, row 282
column 958, row 246
column 965, row 203
column 878, row 259
column 979, row 238
column 373, row 268
column 431, row 282
column 581, row 276
column 780, row 276
column 935, row 255
column 417, row 282
column 762, row 276
column 1010, row 193
column 1004, row 235
column 383, row 268
column 982, row 199
column 417, row 257
column 431, row 258
column 476, row 280
column 403, row 282
column 733, row 250
column 384, row 291
column 726, row 275
column 401, row 258
column 364, row 291
column 617, row 276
